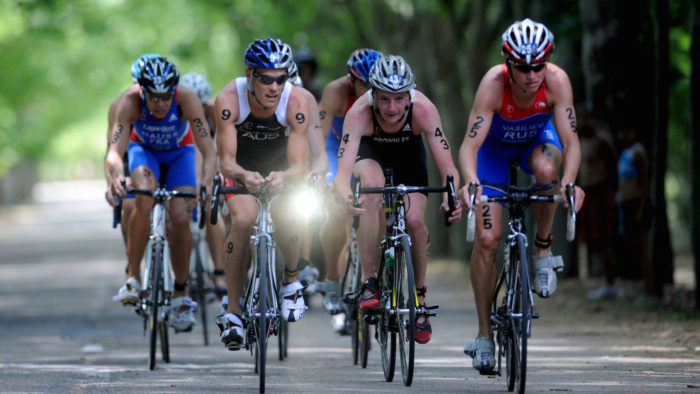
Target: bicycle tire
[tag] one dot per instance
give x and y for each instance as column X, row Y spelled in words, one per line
column 262, row 324
column 363, row 338
column 405, row 309
column 154, row 299
column 164, row 341
column 282, row 339
column 524, row 324
column 386, row 327
column 349, row 285
column 201, row 291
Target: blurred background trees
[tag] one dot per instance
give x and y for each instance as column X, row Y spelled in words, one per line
column 64, row 61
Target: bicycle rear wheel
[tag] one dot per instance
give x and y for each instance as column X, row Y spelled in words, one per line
column 155, row 282
column 349, row 285
column 201, row 291
column 262, row 321
column 283, row 338
column 387, row 326
column 405, row 309
column 518, row 326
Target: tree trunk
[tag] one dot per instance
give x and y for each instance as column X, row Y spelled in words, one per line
column 695, row 145
column 661, row 251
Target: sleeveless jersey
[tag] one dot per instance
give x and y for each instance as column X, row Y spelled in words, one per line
column 514, row 125
column 161, row 134
column 262, row 142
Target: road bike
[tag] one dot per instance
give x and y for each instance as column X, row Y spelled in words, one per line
column 396, row 318
column 261, row 312
column 512, row 313
column 200, row 275
column 154, row 301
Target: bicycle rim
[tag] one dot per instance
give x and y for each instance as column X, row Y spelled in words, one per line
column 262, row 329
column 405, row 309
column 524, row 326
column 154, row 299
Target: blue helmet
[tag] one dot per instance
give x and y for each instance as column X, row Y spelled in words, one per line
column 158, row 75
column 361, row 61
column 136, row 65
column 268, row 53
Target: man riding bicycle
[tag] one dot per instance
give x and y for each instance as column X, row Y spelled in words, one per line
column 385, row 129
column 162, row 116
column 511, row 119
column 338, row 96
column 261, row 126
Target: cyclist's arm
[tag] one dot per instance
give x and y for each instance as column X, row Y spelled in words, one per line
column 297, row 144
column 332, row 104
column 317, row 145
column 226, row 115
column 560, row 93
column 486, row 102
column 193, row 111
column 125, row 112
column 427, row 120
column 358, row 122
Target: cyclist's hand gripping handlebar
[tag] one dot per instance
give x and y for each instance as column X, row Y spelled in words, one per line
column 451, row 198
column 571, row 214
column 215, row 199
column 356, row 197
column 202, row 205
column 471, row 216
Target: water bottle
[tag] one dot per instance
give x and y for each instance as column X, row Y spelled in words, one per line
column 389, row 264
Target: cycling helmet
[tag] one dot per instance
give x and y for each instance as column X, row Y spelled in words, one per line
column 158, row 75
column 392, row 74
column 527, row 42
column 294, row 77
column 136, row 65
column 199, row 84
column 361, row 61
column 305, row 56
column 268, row 53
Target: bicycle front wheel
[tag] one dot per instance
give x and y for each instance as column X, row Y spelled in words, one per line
column 200, row 291
column 262, row 328
column 154, row 299
column 404, row 303
column 519, row 323
column 387, row 325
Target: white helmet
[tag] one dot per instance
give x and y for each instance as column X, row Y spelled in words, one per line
column 527, row 42
column 199, row 84
column 392, row 74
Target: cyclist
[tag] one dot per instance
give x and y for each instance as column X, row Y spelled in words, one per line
column 338, row 96
column 384, row 129
column 214, row 232
column 162, row 116
column 127, row 204
column 255, row 147
column 511, row 119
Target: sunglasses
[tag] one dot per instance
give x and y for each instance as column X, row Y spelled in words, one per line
column 160, row 96
column 526, row 68
column 268, row 80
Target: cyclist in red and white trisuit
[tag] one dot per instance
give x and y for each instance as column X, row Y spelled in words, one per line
column 510, row 120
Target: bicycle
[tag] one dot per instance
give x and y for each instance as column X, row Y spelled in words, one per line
column 199, row 268
column 154, row 301
column 399, row 301
column 261, row 313
column 511, row 318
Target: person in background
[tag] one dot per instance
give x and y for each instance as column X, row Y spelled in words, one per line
column 308, row 68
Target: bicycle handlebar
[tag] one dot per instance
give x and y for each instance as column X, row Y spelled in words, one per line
column 520, row 195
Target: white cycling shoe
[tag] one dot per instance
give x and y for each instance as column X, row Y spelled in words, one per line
column 293, row 305
column 232, row 332
column 182, row 314
column 482, row 351
column 545, row 275
column 129, row 292
column 331, row 300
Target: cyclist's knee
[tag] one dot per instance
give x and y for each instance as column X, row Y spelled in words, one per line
column 488, row 241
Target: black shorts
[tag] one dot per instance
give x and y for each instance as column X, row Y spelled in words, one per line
column 408, row 168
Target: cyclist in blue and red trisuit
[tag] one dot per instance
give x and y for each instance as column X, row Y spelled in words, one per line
column 167, row 121
column 512, row 119
column 338, row 96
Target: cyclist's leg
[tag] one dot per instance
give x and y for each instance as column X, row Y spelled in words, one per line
column 215, row 241
column 144, row 172
column 289, row 233
column 334, row 240
column 369, row 232
column 243, row 211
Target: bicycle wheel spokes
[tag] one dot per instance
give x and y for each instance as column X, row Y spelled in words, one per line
column 405, row 309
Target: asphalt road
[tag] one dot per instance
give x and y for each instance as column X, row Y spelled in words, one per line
column 60, row 331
